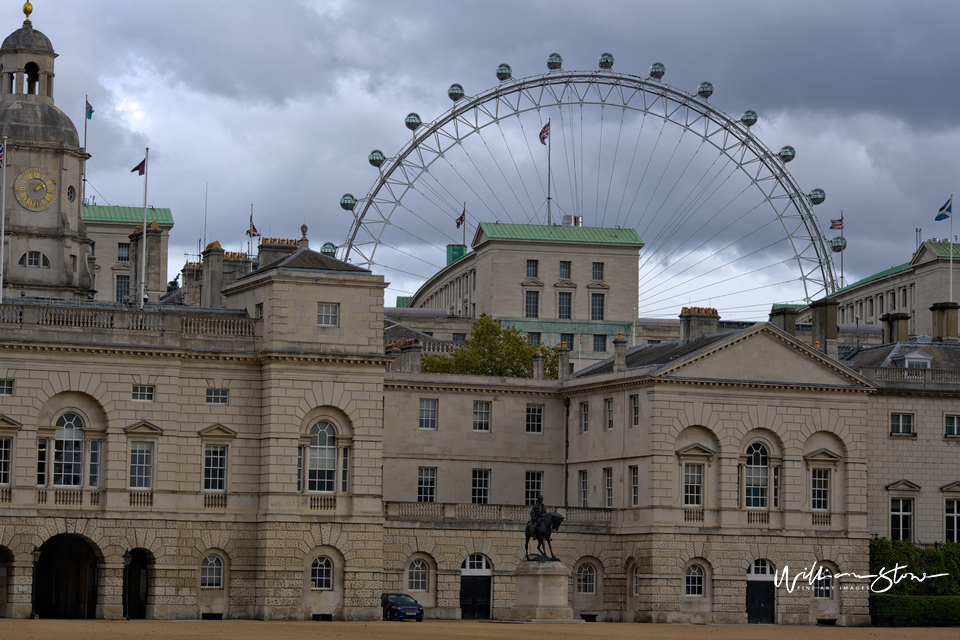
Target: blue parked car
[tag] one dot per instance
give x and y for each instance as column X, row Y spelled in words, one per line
column 400, row 606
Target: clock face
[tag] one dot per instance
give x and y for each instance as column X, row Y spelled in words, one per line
column 35, row 189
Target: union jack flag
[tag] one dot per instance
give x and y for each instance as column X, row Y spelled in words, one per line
column 2, row 150
column 462, row 218
column 836, row 224
column 545, row 133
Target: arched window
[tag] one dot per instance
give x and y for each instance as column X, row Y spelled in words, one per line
column 418, row 574
column 636, row 580
column 33, row 78
column 476, row 562
column 758, row 476
column 211, row 573
column 760, row 568
column 823, row 584
column 321, row 574
column 323, row 457
column 33, row 259
column 68, row 451
column 694, row 580
column 586, row 579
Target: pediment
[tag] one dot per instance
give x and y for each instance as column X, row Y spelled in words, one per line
column 143, row 428
column 217, row 430
column 902, row 485
column 565, row 284
column 598, row 285
column 766, row 355
column 953, row 487
column 823, row 455
column 696, row 450
column 121, row 266
column 9, row 424
column 531, row 282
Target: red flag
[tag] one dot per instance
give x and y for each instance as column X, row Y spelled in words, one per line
column 140, row 168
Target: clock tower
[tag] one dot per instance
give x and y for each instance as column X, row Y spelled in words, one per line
column 46, row 252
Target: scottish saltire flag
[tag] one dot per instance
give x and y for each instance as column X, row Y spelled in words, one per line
column 89, row 110
column 545, row 133
column 946, row 210
column 462, row 218
column 836, row 224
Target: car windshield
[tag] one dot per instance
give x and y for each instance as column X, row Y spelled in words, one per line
column 401, row 598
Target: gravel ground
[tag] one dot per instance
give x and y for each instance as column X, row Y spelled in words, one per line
column 461, row 630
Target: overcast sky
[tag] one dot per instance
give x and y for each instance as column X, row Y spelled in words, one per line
column 278, row 104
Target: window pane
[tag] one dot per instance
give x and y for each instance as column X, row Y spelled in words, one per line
column 565, row 307
column 322, row 458
column 68, row 451
column 820, row 489
column 693, row 485
column 533, row 486
column 564, row 269
column 428, row 413
column 211, row 573
column 598, row 271
column 141, row 465
column 123, row 252
column 599, row 343
column 214, row 467
column 481, row 416
column 418, row 574
column 321, row 574
column 481, row 486
column 596, row 306
column 532, row 304
column 328, row 314
column 6, row 460
column 532, row 268
column 427, row 484
column 534, row 418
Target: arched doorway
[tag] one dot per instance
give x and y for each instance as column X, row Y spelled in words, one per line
column 135, row 584
column 6, row 561
column 761, row 593
column 66, row 578
column 476, row 588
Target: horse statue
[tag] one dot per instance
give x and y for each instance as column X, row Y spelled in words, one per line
column 542, row 531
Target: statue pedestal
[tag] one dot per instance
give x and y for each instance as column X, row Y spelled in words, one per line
column 542, row 591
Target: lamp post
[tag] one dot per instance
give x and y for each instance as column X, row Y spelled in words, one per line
column 33, row 594
column 126, row 586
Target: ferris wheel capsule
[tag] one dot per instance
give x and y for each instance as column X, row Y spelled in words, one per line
column 376, row 157
column 413, row 121
column 554, row 61
column 787, row 153
column 455, row 92
column 705, row 90
column 838, row 244
column 749, row 117
column 657, row 69
column 348, row 202
column 817, row 196
column 504, row 72
column 606, row 61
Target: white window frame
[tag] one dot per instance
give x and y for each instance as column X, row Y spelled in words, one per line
column 586, row 579
column 584, row 417
column 429, row 412
column 321, row 574
column 608, row 487
column 902, row 424
column 141, row 393
column 418, row 575
column 6, row 387
column 534, row 423
column 482, row 410
column 328, row 315
column 951, row 426
column 532, row 487
column 582, row 479
column 141, row 465
column 427, row 484
column 694, row 581
column 211, row 573
column 6, row 461
column 951, row 512
column 218, row 396
column 898, row 510
column 215, row 475
column 609, row 408
column 480, row 486
column 693, row 473
column 820, row 489
column 634, row 485
column 635, row 411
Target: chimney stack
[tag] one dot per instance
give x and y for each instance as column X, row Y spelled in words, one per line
column 784, row 317
column 825, row 326
column 210, row 292
column 619, row 352
column 945, row 321
column 563, row 365
column 410, row 357
column 696, row 322
column 538, row 365
column 895, row 327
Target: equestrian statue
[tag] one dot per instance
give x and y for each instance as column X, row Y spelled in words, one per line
column 541, row 525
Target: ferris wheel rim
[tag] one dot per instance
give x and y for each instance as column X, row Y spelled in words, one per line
column 814, row 259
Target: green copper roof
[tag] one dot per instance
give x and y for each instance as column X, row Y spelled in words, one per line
column 942, row 249
column 783, row 305
column 876, row 276
column 403, row 302
column 505, row 231
column 131, row 215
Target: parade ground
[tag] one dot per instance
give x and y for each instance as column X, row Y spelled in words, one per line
column 462, row 630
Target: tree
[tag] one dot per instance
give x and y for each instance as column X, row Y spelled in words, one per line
column 493, row 350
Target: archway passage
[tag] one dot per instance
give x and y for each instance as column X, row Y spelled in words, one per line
column 6, row 561
column 66, row 578
column 136, row 585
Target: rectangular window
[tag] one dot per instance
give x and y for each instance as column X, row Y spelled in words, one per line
column 776, row 487
column 596, row 306
column 328, row 315
column 634, row 411
column 901, row 519
column 608, row 488
column 693, row 485
column 481, row 416
column 123, row 252
column 598, row 271
column 33, row 258
column 532, row 487
column 299, row 469
column 901, row 423
column 565, row 305
column 6, row 460
column 218, row 396
column 215, row 468
column 532, row 304
column 122, row 291
column 533, row 337
column 599, row 343
column 141, row 465
column 534, row 418
column 480, row 493
column 823, row 587
column 952, row 425
column 142, row 394
column 6, row 387
column 953, row 520
column 893, row 301
column 584, row 417
column 428, row 413
column 820, row 489
column 634, row 486
column 41, row 462
column 345, row 471
column 582, row 481
column 757, row 479
column 609, row 408
column 68, row 462
column 564, row 269
column 903, row 298
column 459, row 337
column 880, row 303
column 258, row 310
column 94, row 470
column 869, row 307
column 427, row 484
column 566, row 339
column 533, row 266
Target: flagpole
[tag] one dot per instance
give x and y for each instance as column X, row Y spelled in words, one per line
column 464, row 224
column 143, row 242
column 86, row 101
column 3, row 209
column 951, row 247
column 549, row 144
column 841, row 252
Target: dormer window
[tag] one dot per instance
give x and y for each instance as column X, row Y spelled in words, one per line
column 912, row 360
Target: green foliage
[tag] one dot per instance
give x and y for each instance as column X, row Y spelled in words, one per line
column 916, row 609
column 944, row 558
column 493, row 350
